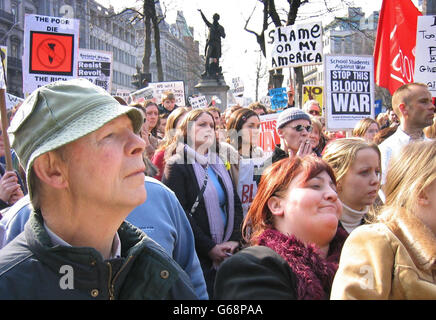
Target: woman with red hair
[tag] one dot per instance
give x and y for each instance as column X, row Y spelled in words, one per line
column 292, row 230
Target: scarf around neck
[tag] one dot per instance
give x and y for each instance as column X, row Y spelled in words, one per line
column 314, row 274
column 219, row 232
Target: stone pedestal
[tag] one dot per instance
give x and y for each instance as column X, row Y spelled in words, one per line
column 210, row 87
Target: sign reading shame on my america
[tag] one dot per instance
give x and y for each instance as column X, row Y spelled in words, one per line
column 50, row 50
column 349, row 90
column 294, row 46
column 425, row 57
column 96, row 66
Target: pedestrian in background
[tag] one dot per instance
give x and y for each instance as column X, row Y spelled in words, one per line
column 205, row 190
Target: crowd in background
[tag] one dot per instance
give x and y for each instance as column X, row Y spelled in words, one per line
column 323, row 206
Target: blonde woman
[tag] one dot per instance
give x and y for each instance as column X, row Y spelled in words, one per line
column 356, row 164
column 395, row 258
column 367, row 129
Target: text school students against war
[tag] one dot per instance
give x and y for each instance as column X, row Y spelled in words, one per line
column 80, row 205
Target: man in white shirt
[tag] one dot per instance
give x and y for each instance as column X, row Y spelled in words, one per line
column 412, row 103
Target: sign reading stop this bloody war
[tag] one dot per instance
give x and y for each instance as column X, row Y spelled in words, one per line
column 349, row 90
column 50, row 50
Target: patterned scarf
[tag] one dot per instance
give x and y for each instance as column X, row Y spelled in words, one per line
column 314, row 273
column 218, row 231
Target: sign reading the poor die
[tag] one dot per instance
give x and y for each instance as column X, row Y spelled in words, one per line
column 349, row 90
column 50, row 50
column 294, row 46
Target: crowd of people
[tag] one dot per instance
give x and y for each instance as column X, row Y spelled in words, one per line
column 149, row 200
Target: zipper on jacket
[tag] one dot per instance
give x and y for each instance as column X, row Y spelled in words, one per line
column 111, row 283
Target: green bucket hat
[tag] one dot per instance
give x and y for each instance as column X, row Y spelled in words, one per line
column 62, row 112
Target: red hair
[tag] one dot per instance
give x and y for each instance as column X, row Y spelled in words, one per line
column 274, row 182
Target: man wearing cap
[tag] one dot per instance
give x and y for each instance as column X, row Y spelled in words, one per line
column 84, row 168
column 293, row 127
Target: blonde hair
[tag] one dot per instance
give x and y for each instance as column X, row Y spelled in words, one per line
column 341, row 153
column 409, row 172
column 362, row 126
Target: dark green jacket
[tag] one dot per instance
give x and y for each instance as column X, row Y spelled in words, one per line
column 31, row 268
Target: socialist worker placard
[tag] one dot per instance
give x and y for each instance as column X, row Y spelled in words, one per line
column 51, row 47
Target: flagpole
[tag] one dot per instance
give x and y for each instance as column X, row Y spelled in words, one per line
column 5, row 120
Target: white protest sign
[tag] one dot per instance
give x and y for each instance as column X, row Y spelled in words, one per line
column 349, row 90
column 142, row 95
column 51, row 47
column 96, row 66
column 12, row 101
column 294, row 46
column 247, row 186
column 125, row 94
column 266, row 101
column 198, row 102
column 425, row 57
column 237, row 87
column 176, row 87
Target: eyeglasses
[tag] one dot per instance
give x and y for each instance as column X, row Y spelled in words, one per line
column 300, row 128
column 314, row 112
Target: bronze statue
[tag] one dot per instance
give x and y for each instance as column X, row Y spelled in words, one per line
column 213, row 46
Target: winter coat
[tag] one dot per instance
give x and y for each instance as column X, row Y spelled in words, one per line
column 394, row 260
column 31, row 268
column 279, row 268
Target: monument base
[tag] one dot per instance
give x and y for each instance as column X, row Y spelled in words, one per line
column 210, row 87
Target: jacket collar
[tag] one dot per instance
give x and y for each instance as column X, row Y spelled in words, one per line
column 418, row 239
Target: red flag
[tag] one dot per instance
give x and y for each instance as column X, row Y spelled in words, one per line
column 394, row 52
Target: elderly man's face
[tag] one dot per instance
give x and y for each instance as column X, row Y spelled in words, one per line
column 105, row 167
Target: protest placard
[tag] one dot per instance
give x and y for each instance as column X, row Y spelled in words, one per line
column 199, row 102
column 237, row 87
column 12, row 101
column 266, row 101
column 176, row 87
column 349, row 90
column 268, row 137
column 278, row 98
column 125, row 94
column 96, row 66
column 50, row 50
column 313, row 93
column 294, row 46
column 142, row 94
column 425, row 57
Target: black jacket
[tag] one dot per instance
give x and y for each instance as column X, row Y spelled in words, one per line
column 31, row 268
column 182, row 180
column 255, row 273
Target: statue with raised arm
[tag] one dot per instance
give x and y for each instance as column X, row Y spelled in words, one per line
column 213, row 46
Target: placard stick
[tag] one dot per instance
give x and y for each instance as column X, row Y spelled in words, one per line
column 4, row 118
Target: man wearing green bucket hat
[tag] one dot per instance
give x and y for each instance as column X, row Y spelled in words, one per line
column 85, row 173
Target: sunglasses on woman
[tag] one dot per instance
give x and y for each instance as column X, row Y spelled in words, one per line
column 300, row 128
